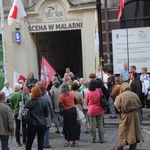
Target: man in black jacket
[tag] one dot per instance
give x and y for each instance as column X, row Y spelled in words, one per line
column 136, row 87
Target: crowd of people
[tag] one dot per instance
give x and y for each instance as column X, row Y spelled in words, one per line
column 58, row 104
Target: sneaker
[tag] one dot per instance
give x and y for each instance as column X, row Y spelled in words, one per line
column 18, row 144
column 87, row 132
column 24, row 144
column 62, row 135
column 57, row 132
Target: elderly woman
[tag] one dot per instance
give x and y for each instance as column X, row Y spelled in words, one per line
column 15, row 102
column 39, row 111
column 80, row 101
column 129, row 130
column 55, row 93
column 66, row 102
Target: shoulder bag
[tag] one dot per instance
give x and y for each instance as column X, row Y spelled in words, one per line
column 26, row 116
column 104, row 101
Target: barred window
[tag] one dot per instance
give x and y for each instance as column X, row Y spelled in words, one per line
column 136, row 14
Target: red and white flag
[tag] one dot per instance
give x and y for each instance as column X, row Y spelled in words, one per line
column 122, row 2
column 18, row 77
column 47, row 72
column 16, row 12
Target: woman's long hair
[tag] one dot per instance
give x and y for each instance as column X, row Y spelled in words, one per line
column 64, row 89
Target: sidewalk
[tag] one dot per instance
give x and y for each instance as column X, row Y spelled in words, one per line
column 146, row 118
column 111, row 133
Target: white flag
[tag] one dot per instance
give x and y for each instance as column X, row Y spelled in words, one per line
column 96, row 37
column 18, row 77
column 16, row 12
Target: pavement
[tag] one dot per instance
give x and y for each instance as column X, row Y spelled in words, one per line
column 111, row 137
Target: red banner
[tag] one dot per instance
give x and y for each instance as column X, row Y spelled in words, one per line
column 47, row 72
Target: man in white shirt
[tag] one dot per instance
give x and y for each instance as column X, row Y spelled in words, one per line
column 8, row 91
column 99, row 72
column 105, row 77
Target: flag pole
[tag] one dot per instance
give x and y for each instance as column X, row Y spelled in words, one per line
column 4, row 41
column 100, row 30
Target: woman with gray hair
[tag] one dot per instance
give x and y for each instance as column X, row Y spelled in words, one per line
column 66, row 102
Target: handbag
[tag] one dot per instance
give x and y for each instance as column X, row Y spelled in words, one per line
column 104, row 101
column 26, row 116
column 21, row 106
column 80, row 116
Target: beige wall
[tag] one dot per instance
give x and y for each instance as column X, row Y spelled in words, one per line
column 22, row 57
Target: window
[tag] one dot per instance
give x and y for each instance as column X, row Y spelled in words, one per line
column 136, row 14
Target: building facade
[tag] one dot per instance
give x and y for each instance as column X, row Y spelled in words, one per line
column 57, row 30
column 63, row 32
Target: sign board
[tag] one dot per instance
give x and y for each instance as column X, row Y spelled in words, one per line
column 18, row 37
column 53, row 12
column 55, row 26
column 131, row 45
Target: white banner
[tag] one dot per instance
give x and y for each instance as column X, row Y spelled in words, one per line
column 131, row 45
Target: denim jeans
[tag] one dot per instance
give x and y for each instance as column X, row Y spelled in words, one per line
column 46, row 142
column 140, row 116
column 112, row 108
column 4, row 142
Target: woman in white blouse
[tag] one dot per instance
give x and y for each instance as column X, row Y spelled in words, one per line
column 145, row 78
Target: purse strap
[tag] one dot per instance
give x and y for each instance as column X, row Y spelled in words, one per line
column 100, row 91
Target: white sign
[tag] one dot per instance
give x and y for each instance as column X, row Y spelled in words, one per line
column 131, row 46
column 55, row 26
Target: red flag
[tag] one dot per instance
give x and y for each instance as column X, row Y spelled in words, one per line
column 122, row 2
column 47, row 72
column 18, row 77
column 16, row 12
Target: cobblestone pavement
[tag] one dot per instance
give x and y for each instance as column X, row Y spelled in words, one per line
column 111, row 137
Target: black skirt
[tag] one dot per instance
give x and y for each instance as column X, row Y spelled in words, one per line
column 70, row 124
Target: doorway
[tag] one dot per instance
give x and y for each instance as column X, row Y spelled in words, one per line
column 61, row 49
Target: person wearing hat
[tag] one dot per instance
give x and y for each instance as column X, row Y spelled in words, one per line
column 17, row 97
column 129, row 131
column 8, row 91
column 24, row 88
